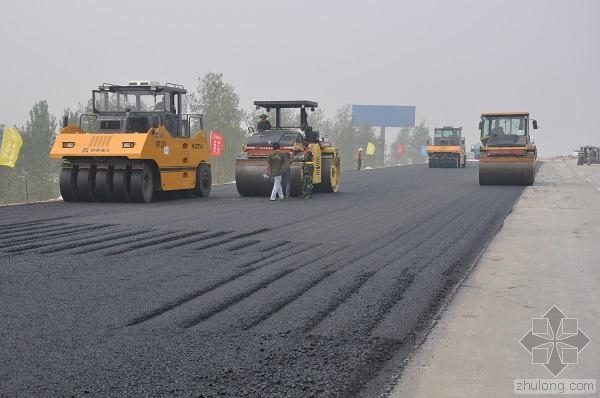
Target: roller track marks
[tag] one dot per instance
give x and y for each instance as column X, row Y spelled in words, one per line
column 355, row 270
column 48, row 233
column 232, row 296
column 246, row 268
column 114, row 240
column 258, row 302
column 77, row 234
column 229, row 239
column 278, row 297
column 394, row 274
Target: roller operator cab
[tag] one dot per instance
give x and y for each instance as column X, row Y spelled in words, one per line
column 508, row 154
column 447, row 149
column 251, row 164
column 137, row 142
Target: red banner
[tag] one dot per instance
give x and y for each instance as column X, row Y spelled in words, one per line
column 400, row 149
column 216, row 144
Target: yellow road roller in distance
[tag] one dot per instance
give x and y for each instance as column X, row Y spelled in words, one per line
column 508, row 154
column 137, row 142
column 447, row 150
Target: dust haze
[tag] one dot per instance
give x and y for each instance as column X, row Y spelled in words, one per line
column 451, row 59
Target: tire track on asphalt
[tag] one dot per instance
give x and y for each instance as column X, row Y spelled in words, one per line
column 36, row 231
column 166, row 237
column 396, row 273
column 244, row 269
column 191, row 241
column 255, row 285
column 441, row 276
column 95, row 243
column 53, row 241
column 280, row 289
column 350, row 275
column 286, row 294
column 242, row 245
column 34, row 224
column 345, row 290
column 229, row 239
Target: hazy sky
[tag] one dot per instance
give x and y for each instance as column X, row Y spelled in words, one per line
column 451, row 59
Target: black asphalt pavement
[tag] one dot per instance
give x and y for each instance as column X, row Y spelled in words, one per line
column 234, row 296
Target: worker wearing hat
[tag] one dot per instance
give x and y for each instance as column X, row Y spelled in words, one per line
column 263, row 124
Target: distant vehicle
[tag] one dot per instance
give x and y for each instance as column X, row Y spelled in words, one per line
column 137, row 142
column 448, row 148
column 508, row 154
column 250, row 165
column 588, row 155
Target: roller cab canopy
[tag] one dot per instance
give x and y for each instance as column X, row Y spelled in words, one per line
column 139, row 96
column 505, row 129
column 279, row 105
column 447, row 135
column 286, row 104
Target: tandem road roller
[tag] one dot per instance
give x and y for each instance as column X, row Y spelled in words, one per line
column 508, row 154
column 448, row 148
column 251, row 164
column 136, row 142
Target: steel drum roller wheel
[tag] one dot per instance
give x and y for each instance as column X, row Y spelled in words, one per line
column 506, row 173
column 249, row 179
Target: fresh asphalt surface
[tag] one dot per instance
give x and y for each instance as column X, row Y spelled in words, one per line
column 237, row 296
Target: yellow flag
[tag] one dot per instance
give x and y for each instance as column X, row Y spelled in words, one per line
column 370, row 148
column 11, row 145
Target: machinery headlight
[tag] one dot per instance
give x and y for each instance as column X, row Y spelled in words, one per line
column 68, row 144
column 128, row 144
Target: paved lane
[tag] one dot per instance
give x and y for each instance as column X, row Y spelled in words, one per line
column 236, row 296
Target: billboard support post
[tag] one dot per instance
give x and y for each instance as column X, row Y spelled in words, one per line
column 383, row 116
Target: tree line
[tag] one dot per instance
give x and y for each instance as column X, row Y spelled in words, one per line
column 35, row 176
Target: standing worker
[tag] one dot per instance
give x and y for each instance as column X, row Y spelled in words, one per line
column 276, row 166
column 359, row 157
column 285, row 176
column 307, row 171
